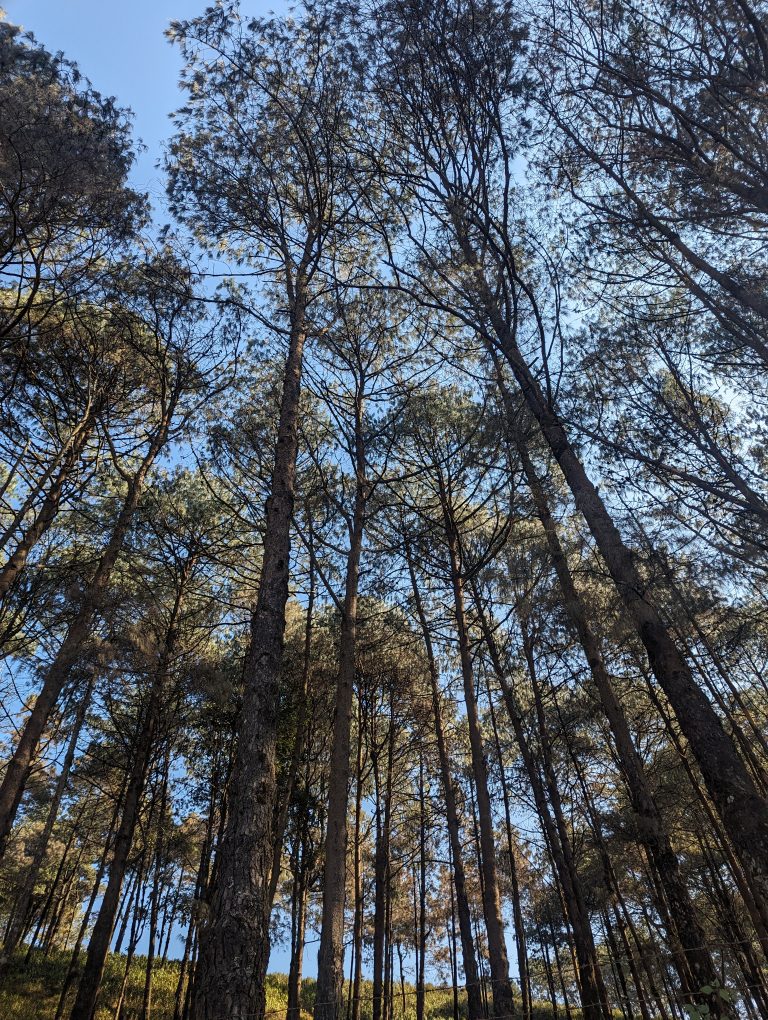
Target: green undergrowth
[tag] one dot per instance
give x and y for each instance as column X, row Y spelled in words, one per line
column 31, row 992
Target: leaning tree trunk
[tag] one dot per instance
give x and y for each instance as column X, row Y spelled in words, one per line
column 234, row 945
column 696, row 969
column 57, row 674
column 743, row 811
column 50, row 505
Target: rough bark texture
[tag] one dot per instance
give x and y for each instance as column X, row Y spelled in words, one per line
column 234, row 944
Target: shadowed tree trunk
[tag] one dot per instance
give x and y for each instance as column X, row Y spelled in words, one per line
column 57, row 674
column 234, row 944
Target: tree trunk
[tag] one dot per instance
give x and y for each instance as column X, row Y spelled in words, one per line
column 743, row 811
column 57, row 674
column 146, row 1005
column 88, row 992
column 695, row 970
column 22, row 904
column 234, row 945
column 594, row 1005
column 330, row 958
column 503, row 999
column 298, row 745
column 474, row 997
column 50, row 505
column 75, row 958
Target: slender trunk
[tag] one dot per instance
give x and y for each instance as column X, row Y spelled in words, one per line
column 357, row 934
column 382, row 878
column 50, row 505
column 297, row 956
column 330, row 958
column 421, row 940
column 298, row 744
column 137, row 930
column 453, row 951
column 50, row 898
column 234, row 946
column 88, row 992
column 124, row 913
column 588, row 966
column 22, row 903
column 522, row 957
column 169, row 916
column 74, row 961
column 503, row 999
column 695, row 968
column 57, row 674
column 146, row 1005
column 591, row 989
column 474, row 999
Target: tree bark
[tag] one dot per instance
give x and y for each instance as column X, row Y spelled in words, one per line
column 330, row 959
column 743, row 811
column 474, row 998
column 503, row 999
column 87, row 994
column 234, row 944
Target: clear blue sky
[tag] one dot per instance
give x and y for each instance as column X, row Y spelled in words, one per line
column 119, row 45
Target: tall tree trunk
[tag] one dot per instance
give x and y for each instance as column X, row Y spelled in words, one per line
column 743, row 811
column 522, row 955
column 234, row 945
column 297, row 955
column 50, row 505
column 330, row 958
column 74, row 961
column 503, row 999
column 88, row 992
column 146, row 1005
column 695, row 970
column 421, row 936
column 594, row 1005
column 382, row 876
column 474, row 997
column 298, row 743
column 357, row 932
column 22, row 904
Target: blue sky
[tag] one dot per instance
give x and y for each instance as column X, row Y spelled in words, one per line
column 119, row 45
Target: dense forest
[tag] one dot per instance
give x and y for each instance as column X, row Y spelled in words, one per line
column 384, row 566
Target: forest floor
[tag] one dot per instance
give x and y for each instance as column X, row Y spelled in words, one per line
column 32, row 992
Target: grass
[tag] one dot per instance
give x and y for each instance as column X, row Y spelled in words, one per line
column 32, row 992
